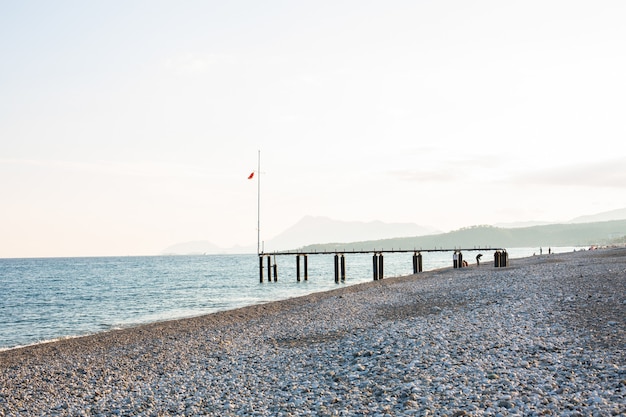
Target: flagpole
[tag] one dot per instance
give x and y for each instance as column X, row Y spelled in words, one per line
column 258, row 205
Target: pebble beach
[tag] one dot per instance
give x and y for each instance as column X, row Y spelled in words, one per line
column 544, row 336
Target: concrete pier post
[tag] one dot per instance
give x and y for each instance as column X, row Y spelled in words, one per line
column 419, row 262
column 298, row 268
column 343, row 268
column 261, row 268
column 375, row 266
column 306, row 268
column 275, row 271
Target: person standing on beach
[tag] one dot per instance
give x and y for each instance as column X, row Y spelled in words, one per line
column 480, row 255
column 455, row 259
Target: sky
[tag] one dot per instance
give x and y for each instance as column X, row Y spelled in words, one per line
column 130, row 126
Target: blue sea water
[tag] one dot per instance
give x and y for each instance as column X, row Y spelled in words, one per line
column 51, row 298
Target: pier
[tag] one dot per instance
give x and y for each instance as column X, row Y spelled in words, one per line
column 501, row 259
column 378, row 270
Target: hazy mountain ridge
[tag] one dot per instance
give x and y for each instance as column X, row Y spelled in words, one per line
column 198, row 247
column 619, row 214
column 326, row 233
column 310, row 229
column 578, row 234
column 323, row 229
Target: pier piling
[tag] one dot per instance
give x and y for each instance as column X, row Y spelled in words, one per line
column 417, row 262
column 261, row 268
column 375, row 266
column 378, row 268
column 298, row 268
column 343, row 268
column 500, row 259
column 275, row 271
column 306, row 268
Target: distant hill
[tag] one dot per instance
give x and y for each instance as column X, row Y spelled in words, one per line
column 323, row 232
column 619, row 214
column 516, row 225
column 311, row 229
column 308, row 230
column 198, row 247
column 579, row 234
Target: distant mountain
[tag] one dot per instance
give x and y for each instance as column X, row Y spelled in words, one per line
column 312, row 229
column 619, row 214
column 198, row 247
column 515, row 225
column 318, row 232
column 579, row 234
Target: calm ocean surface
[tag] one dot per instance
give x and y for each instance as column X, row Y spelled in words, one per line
column 51, row 298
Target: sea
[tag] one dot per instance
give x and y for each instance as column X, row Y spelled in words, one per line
column 47, row 299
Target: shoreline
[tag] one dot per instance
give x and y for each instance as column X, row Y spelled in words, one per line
column 62, row 338
column 117, row 322
column 333, row 350
column 140, row 324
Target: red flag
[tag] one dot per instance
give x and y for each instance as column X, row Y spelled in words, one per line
column 251, row 175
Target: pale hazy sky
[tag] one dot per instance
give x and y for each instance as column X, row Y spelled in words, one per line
column 129, row 126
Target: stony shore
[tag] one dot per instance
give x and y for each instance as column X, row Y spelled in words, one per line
column 545, row 336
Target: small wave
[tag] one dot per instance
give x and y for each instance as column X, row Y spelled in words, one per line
column 42, row 342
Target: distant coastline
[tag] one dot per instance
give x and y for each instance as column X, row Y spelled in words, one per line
column 604, row 233
column 582, row 234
